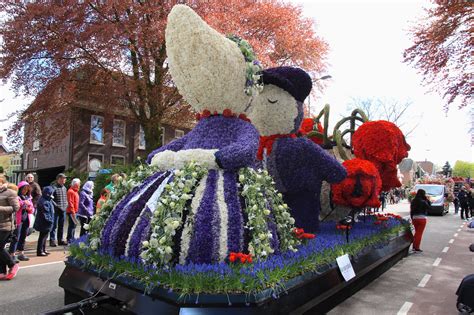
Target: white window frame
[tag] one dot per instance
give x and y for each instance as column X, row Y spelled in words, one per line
column 25, row 161
column 90, row 131
column 141, row 131
column 116, row 156
column 178, row 133
column 163, row 132
column 116, row 144
column 36, row 145
column 35, row 163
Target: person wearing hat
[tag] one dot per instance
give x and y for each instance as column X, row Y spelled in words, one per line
column 22, row 221
column 9, row 205
column 44, row 219
column 297, row 164
column 60, row 206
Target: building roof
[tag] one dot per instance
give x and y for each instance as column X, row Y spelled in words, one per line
column 427, row 166
column 72, row 89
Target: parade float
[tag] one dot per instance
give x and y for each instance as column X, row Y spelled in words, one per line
column 227, row 218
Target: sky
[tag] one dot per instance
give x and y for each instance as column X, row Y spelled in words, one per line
column 366, row 40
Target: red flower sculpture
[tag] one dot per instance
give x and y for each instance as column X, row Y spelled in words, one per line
column 360, row 188
column 307, row 126
column 382, row 143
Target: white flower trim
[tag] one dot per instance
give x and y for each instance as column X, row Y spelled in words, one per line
column 284, row 221
column 255, row 206
column 223, row 217
column 258, row 187
column 151, row 204
column 168, row 216
column 177, row 160
column 98, row 220
column 163, row 160
column 208, row 69
column 189, row 225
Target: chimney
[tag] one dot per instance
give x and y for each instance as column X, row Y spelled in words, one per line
column 1, row 139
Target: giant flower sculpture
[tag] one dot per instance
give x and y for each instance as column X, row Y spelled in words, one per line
column 382, row 143
column 361, row 187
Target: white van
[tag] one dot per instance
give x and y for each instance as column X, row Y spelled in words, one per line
column 437, row 195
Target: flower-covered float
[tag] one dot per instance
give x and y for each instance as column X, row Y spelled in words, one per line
column 203, row 225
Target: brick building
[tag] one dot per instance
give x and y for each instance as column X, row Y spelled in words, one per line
column 92, row 138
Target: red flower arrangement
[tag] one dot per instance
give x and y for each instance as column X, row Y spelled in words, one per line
column 307, row 126
column 300, row 234
column 382, row 143
column 360, row 188
column 343, row 227
column 240, row 257
column 226, row 113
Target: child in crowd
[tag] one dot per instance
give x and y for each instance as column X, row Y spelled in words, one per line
column 44, row 219
column 104, row 195
column 22, row 221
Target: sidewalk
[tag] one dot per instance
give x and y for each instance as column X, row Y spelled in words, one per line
column 58, row 253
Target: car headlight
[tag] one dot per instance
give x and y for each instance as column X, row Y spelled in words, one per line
column 437, row 200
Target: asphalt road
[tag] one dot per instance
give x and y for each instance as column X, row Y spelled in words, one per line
column 423, row 283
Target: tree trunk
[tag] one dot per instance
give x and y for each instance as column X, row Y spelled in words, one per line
column 152, row 130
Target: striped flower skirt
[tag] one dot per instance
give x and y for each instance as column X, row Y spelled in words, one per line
column 214, row 221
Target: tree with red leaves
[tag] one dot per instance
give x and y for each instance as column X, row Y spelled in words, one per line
column 442, row 50
column 113, row 53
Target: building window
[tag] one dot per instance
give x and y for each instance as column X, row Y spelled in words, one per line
column 117, row 160
column 97, row 129
column 36, row 145
column 118, row 138
column 25, row 161
column 35, row 163
column 178, row 133
column 95, row 161
column 141, row 139
column 163, row 132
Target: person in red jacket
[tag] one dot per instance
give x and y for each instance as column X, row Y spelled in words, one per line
column 72, row 207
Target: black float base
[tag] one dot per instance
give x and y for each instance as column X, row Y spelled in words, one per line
column 310, row 293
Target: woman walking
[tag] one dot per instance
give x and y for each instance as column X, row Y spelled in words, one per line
column 418, row 211
column 9, row 205
column 44, row 219
column 22, row 221
column 86, row 205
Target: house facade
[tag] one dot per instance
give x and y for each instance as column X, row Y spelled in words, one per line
column 91, row 140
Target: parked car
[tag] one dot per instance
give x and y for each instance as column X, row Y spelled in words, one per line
column 437, row 194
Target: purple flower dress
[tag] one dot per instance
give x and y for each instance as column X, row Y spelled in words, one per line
column 218, row 222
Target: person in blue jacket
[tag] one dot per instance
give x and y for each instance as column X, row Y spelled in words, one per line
column 44, row 219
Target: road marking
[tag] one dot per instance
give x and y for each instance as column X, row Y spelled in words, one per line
column 445, row 250
column 459, row 230
column 455, row 234
column 45, row 264
column 424, row 281
column 462, row 226
column 436, row 262
column 451, row 241
column 405, row 308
